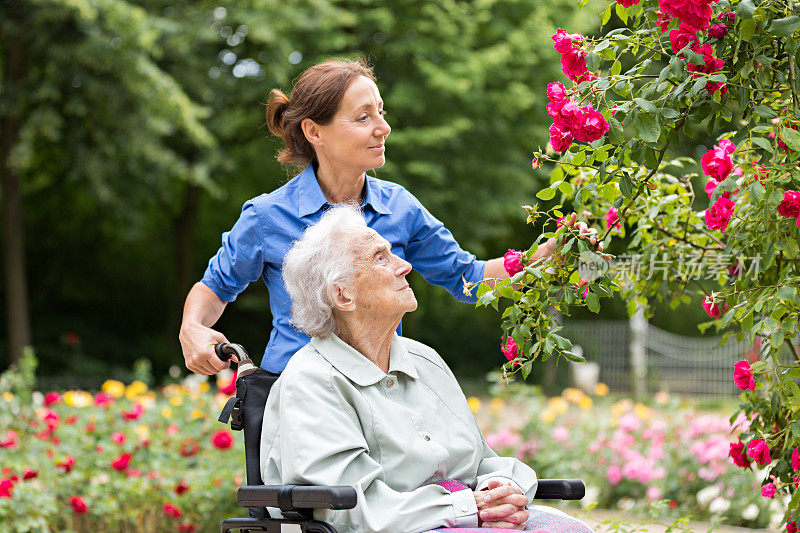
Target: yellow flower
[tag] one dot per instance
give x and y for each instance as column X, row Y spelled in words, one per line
column 143, row 431
column 166, row 412
column 176, row 400
column 642, row 411
column 173, row 389
column 114, row 388
column 474, row 404
column 558, row 405
column 135, row 389
column 197, row 413
column 7, row 396
column 204, row 386
column 601, row 389
column 547, row 416
column 572, row 394
column 495, row 404
column 586, row 403
column 77, row 398
column 621, row 407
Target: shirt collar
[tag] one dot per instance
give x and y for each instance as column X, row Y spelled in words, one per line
column 311, row 198
column 358, row 368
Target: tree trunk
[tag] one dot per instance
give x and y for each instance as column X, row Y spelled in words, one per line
column 17, row 319
column 183, row 229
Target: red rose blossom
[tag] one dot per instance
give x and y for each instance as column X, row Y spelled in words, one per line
column 66, row 464
column 121, row 463
column 510, row 350
column 593, row 125
column 187, row 527
column 612, row 218
column 768, row 490
column 189, row 447
column 556, row 92
column 560, row 139
column 719, row 214
column 790, row 205
column 564, row 41
column 171, row 510
column 717, row 162
column 714, row 310
column 717, row 31
column 51, row 398
column 627, row 3
column 78, row 505
column 743, row 376
column 512, row 262
column 222, row 439
column 30, row 474
column 737, row 453
column 796, row 459
column 181, row 487
column 791, row 527
column 680, row 37
column 758, row 450
column 6, row 488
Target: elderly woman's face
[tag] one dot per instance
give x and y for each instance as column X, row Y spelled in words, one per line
column 379, row 283
column 355, row 136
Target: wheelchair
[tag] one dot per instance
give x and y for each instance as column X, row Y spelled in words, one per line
column 245, row 411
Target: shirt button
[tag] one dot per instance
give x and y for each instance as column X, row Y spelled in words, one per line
column 464, row 509
column 426, row 437
column 389, row 383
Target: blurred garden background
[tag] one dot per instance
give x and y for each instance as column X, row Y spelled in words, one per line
column 131, row 134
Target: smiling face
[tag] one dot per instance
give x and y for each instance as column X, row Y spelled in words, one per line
column 354, row 139
column 379, row 278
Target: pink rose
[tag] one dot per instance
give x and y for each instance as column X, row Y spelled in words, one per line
column 612, row 218
column 796, row 459
column 717, row 162
column 712, row 65
column 569, row 116
column 564, row 41
column 718, row 216
column 50, row 398
column 768, row 491
column 510, row 350
column 714, row 86
column 560, row 139
column 627, row 3
column 556, row 92
column 791, row 527
column 573, row 64
column 790, row 205
column 738, row 455
column 743, row 376
column 680, row 37
column 713, row 310
column 664, row 20
column 711, row 186
column 695, row 13
column 717, row 31
column 512, row 262
column 592, row 126
column 758, row 450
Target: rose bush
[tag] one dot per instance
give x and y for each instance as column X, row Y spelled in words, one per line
column 672, row 70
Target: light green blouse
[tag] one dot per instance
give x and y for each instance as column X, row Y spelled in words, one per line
column 334, row 418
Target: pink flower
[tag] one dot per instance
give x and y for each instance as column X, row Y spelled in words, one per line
column 560, row 434
column 565, row 114
column 121, row 463
column 592, row 126
column 714, row 310
column 711, row 186
column 560, row 139
column 758, row 450
column 627, row 3
column 768, row 491
column 11, row 439
column 66, row 464
column 222, row 439
column 680, row 37
column 743, row 376
column 573, row 64
column 512, row 262
column 718, row 31
column 134, row 413
column 737, row 453
column 564, row 41
column 612, row 218
column 50, row 398
column 664, row 20
column 614, row 474
column 796, row 459
column 101, row 398
column 556, row 92
column 230, row 388
column 695, row 13
column 712, row 65
column 717, row 162
column 791, row 527
column 118, row 437
column 510, row 350
column 719, row 214
column 6, row 488
column 790, row 205
column 78, row 505
column 171, row 511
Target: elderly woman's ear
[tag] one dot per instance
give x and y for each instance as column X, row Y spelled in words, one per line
column 342, row 297
column 311, row 131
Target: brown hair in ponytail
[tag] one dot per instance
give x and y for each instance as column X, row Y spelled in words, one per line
column 317, row 94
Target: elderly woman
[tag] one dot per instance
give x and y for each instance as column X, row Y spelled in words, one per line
column 361, row 406
column 334, row 128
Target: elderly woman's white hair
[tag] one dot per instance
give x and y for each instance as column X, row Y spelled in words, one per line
column 319, row 259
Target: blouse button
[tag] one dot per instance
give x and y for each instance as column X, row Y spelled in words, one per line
column 426, row 437
column 389, row 383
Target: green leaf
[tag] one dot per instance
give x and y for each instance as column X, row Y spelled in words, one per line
column 546, row 194
column 747, row 29
column 592, row 61
column 592, row 302
column 763, row 143
column 746, row 9
column 565, row 187
column 764, row 111
column 647, row 127
column 574, row 357
column 668, row 112
column 796, row 428
column 646, row 105
column 606, row 15
column 616, row 68
column 785, row 26
column 791, row 138
column 787, row 293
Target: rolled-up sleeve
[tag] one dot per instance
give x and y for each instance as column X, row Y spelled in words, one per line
column 434, row 253
column 240, row 259
column 506, row 469
column 335, row 452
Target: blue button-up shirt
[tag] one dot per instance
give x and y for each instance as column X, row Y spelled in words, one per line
column 269, row 224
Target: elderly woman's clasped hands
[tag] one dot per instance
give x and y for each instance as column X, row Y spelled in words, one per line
column 502, row 506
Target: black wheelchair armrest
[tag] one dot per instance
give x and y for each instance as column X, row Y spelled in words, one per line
column 297, row 497
column 560, row 489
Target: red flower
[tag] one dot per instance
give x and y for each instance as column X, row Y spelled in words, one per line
column 12, row 439
column 743, row 376
column 560, row 139
column 791, row 527
column 172, row 429
column 790, row 205
column 71, row 419
column 72, row 338
column 673, row 504
column 230, row 388
column 719, row 214
column 29, row 474
column 510, row 350
column 52, row 419
column 187, row 527
column 78, row 505
column 118, row 437
column 695, row 13
column 66, row 464
column 796, row 459
column 181, row 487
column 189, row 448
column 612, row 218
column 121, row 463
column 663, row 20
column 717, row 162
column 768, row 491
column 556, row 92
column 737, row 453
column 564, row 41
column 512, row 262
column 573, row 64
column 101, row 398
column 222, row 439
column 714, row 310
column 171, row 510
column 758, row 450
column 592, row 126
column 718, row 31
column 627, row 3
column 134, row 413
column 680, row 37
column 51, row 397
column 6, row 488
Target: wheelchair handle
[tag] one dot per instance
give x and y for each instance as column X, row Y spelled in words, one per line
column 225, row 350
